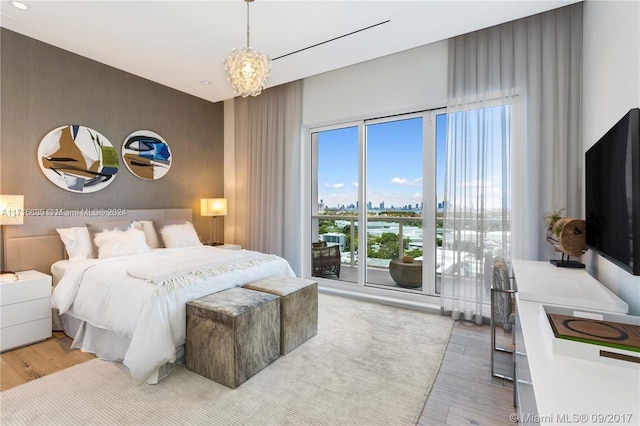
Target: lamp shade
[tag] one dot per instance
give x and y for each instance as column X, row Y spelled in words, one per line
column 213, row 206
column 11, row 209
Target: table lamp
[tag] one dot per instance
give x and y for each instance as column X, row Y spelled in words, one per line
column 11, row 213
column 213, row 207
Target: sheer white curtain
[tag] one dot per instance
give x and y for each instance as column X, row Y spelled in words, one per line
column 477, row 200
column 267, row 168
column 513, row 148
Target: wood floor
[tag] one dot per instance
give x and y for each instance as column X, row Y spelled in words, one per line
column 31, row 362
column 464, row 391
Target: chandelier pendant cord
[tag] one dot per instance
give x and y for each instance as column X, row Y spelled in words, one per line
column 248, row 45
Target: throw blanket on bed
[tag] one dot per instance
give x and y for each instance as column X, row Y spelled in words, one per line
column 151, row 311
column 194, row 268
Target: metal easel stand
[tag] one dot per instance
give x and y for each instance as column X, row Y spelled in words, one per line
column 494, row 348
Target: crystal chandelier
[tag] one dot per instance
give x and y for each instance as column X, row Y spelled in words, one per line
column 247, row 70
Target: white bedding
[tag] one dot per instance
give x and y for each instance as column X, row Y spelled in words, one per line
column 103, row 293
column 58, row 269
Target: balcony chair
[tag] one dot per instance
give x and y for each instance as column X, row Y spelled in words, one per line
column 325, row 259
column 501, row 308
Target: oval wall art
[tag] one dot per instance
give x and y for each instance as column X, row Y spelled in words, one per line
column 78, row 159
column 146, row 155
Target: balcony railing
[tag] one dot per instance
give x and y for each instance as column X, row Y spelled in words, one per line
column 465, row 262
column 353, row 223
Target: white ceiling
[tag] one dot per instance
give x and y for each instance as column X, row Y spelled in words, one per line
column 180, row 43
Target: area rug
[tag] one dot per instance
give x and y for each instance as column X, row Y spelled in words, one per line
column 370, row 364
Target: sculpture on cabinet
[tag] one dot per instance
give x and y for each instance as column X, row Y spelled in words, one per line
column 567, row 236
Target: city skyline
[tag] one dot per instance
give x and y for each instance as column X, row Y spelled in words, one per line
column 371, row 207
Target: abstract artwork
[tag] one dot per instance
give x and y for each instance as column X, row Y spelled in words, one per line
column 78, row 159
column 146, row 155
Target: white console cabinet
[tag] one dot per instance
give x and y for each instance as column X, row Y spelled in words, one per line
column 25, row 310
column 558, row 389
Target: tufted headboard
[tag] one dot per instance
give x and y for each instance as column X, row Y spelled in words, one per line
column 37, row 245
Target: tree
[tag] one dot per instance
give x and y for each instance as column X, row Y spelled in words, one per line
column 413, row 253
column 346, row 230
column 385, row 246
column 326, row 225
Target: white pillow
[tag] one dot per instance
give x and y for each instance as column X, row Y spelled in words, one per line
column 150, row 234
column 180, row 235
column 114, row 242
column 97, row 227
column 77, row 242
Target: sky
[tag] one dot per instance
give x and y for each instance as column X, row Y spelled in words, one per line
column 394, row 163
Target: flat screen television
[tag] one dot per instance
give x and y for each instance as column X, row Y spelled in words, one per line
column 612, row 194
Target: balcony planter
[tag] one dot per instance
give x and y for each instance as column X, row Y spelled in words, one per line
column 406, row 274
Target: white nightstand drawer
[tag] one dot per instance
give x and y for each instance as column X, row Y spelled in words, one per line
column 25, row 310
column 19, row 313
column 31, row 285
column 23, row 334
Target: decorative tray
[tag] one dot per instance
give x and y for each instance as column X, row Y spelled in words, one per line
column 594, row 336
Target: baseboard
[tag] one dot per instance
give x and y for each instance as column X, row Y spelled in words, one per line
column 385, row 300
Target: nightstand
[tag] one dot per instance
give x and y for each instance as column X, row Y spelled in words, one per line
column 230, row 246
column 25, row 310
column 225, row 246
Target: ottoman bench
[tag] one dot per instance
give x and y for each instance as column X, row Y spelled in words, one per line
column 232, row 335
column 298, row 308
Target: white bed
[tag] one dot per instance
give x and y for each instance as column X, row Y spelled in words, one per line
column 145, row 321
column 131, row 308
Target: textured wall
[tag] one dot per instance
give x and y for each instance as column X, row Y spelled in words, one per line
column 43, row 87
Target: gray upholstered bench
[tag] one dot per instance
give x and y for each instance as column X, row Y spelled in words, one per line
column 232, row 335
column 298, row 308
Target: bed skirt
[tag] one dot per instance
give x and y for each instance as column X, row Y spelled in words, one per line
column 105, row 344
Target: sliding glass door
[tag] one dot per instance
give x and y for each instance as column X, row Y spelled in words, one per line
column 334, row 221
column 374, row 197
column 394, row 184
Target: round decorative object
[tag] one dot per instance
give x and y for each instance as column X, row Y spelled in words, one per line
column 568, row 236
column 247, row 69
column 78, row 159
column 146, row 155
column 406, row 274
